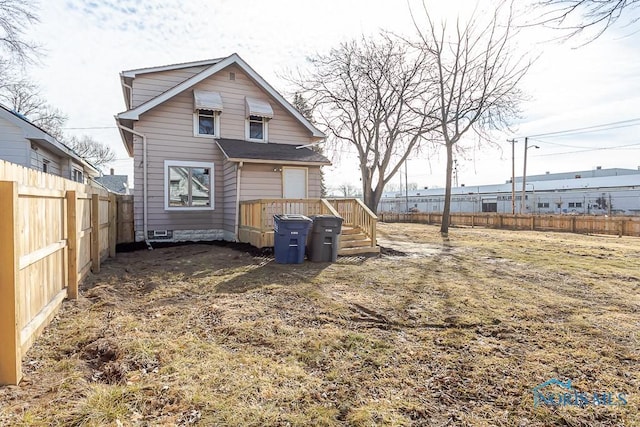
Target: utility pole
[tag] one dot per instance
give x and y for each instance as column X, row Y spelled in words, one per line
column 513, row 175
column 524, row 178
column 523, row 204
column 406, row 185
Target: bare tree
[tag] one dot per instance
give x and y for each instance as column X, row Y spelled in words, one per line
column 577, row 16
column 349, row 190
column 24, row 98
column 476, row 78
column 15, row 15
column 367, row 94
column 88, row 148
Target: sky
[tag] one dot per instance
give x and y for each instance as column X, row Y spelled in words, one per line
column 571, row 85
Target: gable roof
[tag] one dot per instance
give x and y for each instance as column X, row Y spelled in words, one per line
column 33, row 132
column 236, row 150
column 134, row 113
column 114, row 183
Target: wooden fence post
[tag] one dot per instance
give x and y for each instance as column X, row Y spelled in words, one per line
column 113, row 229
column 95, row 233
column 10, row 349
column 72, row 245
column 533, row 222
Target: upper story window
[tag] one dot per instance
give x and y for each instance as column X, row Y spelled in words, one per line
column 257, row 127
column 258, row 113
column 206, row 118
column 207, row 123
column 77, row 175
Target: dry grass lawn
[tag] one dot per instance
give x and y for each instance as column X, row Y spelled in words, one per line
column 448, row 333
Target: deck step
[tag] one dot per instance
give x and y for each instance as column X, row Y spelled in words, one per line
column 354, row 243
column 350, row 230
column 359, row 250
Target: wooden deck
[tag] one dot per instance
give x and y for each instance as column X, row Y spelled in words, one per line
column 359, row 223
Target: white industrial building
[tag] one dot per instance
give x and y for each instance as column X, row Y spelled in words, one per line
column 595, row 192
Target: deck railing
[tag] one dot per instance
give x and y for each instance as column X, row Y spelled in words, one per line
column 256, row 216
column 357, row 215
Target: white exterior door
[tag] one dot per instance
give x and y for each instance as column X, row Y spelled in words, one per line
column 294, row 183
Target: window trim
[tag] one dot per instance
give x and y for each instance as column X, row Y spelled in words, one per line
column 216, row 125
column 76, row 172
column 265, row 129
column 189, row 164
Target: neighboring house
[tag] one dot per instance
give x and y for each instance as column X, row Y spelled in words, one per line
column 205, row 136
column 118, row 184
column 24, row 143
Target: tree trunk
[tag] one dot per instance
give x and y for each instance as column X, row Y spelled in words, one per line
column 444, row 228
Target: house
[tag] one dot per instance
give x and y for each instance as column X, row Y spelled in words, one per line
column 206, row 136
column 26, row 144
column 118, row 184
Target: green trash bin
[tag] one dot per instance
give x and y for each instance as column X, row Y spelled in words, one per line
column 324, row 238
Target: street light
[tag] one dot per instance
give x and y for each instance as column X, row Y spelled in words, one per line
column 524, row 175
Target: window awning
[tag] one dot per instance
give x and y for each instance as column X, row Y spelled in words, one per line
column 257, row 107
column 203, row 100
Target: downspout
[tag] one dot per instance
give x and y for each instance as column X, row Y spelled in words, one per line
column 238, row 176
column 145, row 212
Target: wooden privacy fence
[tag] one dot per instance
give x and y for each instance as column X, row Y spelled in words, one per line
column 621, row 226
column 52, row 233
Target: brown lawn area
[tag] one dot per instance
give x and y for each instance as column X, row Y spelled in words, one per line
column 450, row 333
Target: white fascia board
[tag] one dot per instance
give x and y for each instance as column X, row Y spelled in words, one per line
column 134, row 73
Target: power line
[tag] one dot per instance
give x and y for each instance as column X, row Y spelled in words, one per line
column 593, row 128
column 588, row 149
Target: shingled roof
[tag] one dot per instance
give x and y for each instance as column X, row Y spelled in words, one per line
column 255, row 152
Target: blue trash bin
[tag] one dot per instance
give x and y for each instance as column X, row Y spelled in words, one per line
column 290, row 238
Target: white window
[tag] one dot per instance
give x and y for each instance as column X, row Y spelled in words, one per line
column 207, row 107
column 257, row 129
column 188, row 185
column 258, row 113
column 206, row 123
column 77, row 175
column 45, row 165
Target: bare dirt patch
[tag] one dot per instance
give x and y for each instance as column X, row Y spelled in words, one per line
column 429, row 333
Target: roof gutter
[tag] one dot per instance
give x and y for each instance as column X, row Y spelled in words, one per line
column 145, row 208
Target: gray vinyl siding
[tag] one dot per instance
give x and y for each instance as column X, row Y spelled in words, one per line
column 169, row 132
column 40, row 155
column 260, row 182
column 147, row 86
column 13, row 145
column 314, row 189
column 229, row 197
